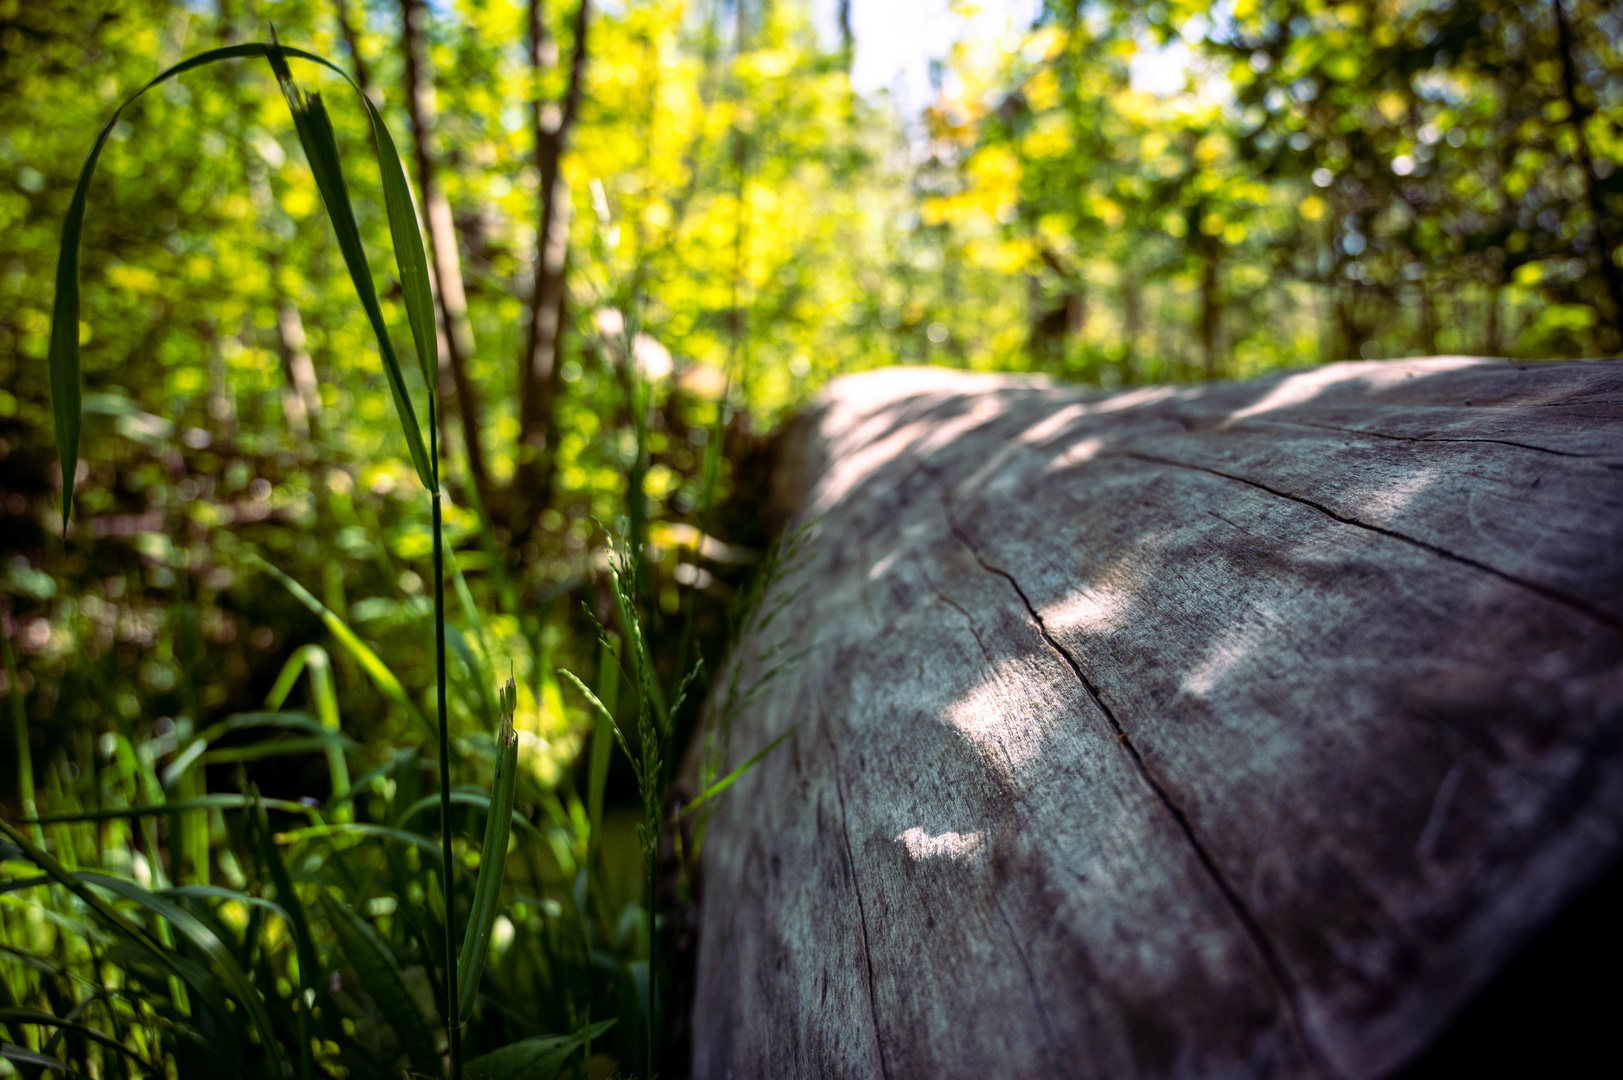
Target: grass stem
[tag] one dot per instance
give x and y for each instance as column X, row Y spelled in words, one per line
column 451, row 1002
column 19, row 727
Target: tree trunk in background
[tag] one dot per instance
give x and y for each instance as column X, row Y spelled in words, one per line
column 352, row 40
column 1239, row 730
column 1494, row 346
column 456, row 346
column 550, row 127
column 1132, row 305
column 1211, row 314
column 1605, row 225
column 1428, row 321
column 302, row 399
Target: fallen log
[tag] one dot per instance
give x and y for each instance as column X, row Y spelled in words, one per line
column 1235, row 730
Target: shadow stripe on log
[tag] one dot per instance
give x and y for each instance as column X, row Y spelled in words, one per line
column 1383, row 767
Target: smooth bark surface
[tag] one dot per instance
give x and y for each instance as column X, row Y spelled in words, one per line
column 1235, row 730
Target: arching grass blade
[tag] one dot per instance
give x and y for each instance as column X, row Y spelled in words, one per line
column 315, row 133
column 64, row 349
column 45, row 1019
column 382, row 677
column 727, row 781
column 24, row 1056
column 321, row 150
column 540, row 1058
column 384, row 981
column 198, row 933
column 202, row 802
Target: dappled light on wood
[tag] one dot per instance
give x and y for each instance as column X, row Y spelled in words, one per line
column 1269, row 746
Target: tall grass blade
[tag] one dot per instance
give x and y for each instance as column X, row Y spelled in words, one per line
column 202, row 802
column 602, row 713
column 292, row 906
column 597, row 777
column 492, row 857
column 45, row 1019
column 24, row 1056
column 111, row 915
column 19, row 731
column 384, row 981
column 540, row 1058
column 447, row 863
column 310, row 983
column 381, row 676
column 321, row 150
column 199, row 934
column 315, row 132
column 727, row 781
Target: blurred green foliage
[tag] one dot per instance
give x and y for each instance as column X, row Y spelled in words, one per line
column 1367, row 179
column 1329, row 181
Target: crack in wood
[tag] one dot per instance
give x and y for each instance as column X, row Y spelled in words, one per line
column 862, row 914
column 1281, row 975
column 1419, row 438
column 1036, row 997
column 1553, row 595
column 959, row 608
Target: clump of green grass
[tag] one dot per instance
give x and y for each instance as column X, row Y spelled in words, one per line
column 364, row 935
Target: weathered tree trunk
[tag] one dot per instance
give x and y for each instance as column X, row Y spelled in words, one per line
column 455, row 344
column 1237, row 730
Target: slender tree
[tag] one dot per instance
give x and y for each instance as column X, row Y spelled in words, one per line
column 551, row 124
column 456, row 344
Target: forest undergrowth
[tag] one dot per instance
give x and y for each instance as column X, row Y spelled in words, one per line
column 366, row 933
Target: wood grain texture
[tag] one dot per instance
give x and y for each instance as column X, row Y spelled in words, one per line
column 1239, row 730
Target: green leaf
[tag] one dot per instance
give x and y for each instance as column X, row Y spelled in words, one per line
column 358, row 830
column 24, row 1056
column 321, row 150
column 202, row 802
column 64, row 350
column 383, row 980
column 199, row 934
column 44, row 1019
column 540, row 1058
column 727, row 781
column 304, row 945
column 315, row 134
column 381, row 675
column 411, row 259
column 492, row 861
